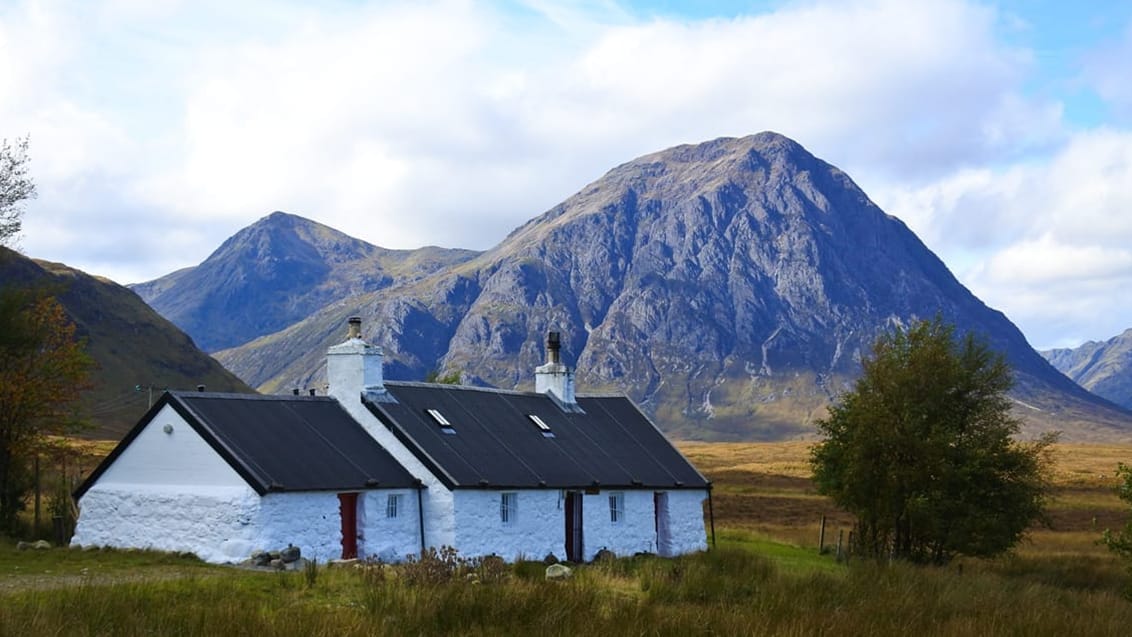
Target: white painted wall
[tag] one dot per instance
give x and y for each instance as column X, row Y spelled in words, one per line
column 686, row 513
column 540, row 526
column 389, row 539
column 538, row 529
column 218, row 523
column 350, row 361
column 636, row 532
column 310, row 521
column 180, row 457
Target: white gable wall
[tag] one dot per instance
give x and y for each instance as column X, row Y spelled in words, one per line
column 170, row 492
column 181, row 457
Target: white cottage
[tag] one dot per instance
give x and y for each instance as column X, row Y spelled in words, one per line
column 515, row 474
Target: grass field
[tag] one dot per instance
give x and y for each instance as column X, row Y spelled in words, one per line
column 764, row 577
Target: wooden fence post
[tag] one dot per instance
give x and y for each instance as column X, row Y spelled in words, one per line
column 821, row 536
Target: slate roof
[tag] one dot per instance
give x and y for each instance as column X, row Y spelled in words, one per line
column 280, row 443
column 492, row 443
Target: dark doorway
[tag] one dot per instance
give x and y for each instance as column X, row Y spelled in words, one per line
column 663, row 524
column 348, row 510
column 574, row 546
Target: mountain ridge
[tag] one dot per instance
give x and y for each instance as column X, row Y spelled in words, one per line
column 1102, row 367
column 728, row 287
column 136, row 350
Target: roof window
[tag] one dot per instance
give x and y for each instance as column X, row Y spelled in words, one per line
column 445, row 426
column 542, row 426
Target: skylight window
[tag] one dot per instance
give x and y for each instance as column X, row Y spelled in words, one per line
column 445, row 426
column 542, row 426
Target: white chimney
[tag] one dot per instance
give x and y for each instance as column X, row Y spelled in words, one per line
column 555, row 379
column 353, row 368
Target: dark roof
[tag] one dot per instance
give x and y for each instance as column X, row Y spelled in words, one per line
column 493, row 443
column 280, row 443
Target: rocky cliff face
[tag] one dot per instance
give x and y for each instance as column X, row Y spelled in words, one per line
column 276, row 272
column 728, row 287
column 1103, row 368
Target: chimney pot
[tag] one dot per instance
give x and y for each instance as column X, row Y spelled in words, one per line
column 200, row 388
column 312, row 391
column 553, row 347
column 295, row 391
column 355, row 329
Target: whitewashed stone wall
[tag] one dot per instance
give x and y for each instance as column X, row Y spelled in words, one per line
column 540, row 524
column 390, row 539
column 310, row 521
column 686, row 521
column 216, row 523
column 538, row 528
column 636, row 532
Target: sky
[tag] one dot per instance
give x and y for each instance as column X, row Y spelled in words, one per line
column 999, row 132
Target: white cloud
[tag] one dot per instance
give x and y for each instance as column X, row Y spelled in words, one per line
column 167, row 126
column 1049, row 243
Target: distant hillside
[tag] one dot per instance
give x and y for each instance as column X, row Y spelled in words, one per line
column 131, row 343
column 728, row 287
column 1102, row 368
column 278, row 271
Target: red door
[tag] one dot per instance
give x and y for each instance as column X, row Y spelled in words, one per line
column 348, row 510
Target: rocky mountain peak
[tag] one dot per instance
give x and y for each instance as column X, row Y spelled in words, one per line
column 729, row 287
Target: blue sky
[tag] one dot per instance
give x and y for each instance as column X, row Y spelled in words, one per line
column 1000, row 132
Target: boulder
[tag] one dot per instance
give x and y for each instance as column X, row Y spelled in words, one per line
column 558, row 572
column 290, row 554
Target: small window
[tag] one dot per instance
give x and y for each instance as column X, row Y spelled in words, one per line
column 445, row 426
column 616, row 507
column 392, row 506
column 542, row 426
column 508, row 507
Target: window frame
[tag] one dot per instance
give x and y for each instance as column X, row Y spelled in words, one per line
column 616, row 507
column 393, row 506
column 508, row 507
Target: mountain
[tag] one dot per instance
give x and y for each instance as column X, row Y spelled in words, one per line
column 278, row 271
column 134, row 348
column 728, row 287
column 1103, row 368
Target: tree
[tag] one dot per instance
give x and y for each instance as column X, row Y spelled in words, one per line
column 43, row 370
column 921, row 450
column 16, row 187
column 1120, row 542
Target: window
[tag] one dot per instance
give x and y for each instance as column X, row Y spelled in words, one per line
column 445, row 426
column 616, row 507
column 508, row 507
column 542, row 426
column 392, row 506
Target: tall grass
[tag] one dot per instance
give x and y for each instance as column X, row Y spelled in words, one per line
column 728, row 591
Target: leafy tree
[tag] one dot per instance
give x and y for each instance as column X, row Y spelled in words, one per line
column 43, row 369
column 42, row 366
column 1120, row 542
column 16, row 187
column 920, row 450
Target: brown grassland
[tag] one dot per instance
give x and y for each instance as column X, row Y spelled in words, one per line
column 765, row 576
